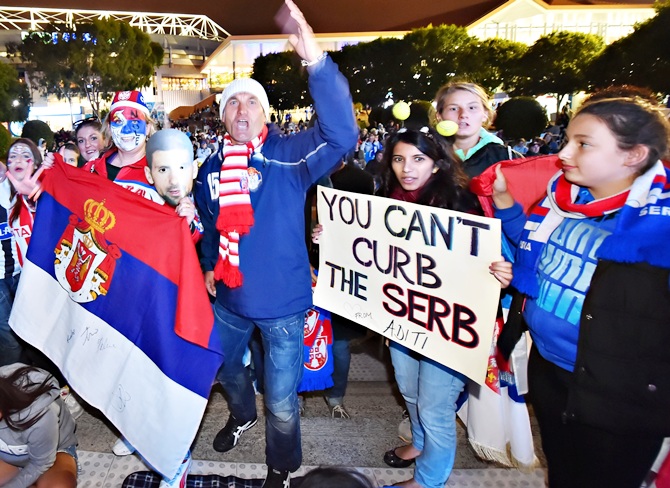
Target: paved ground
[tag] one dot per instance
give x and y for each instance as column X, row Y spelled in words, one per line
column 361, row 441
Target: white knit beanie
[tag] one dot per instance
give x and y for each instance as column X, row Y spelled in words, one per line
column 245, row 85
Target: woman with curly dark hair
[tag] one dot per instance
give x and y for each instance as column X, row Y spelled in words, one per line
column 419, row 166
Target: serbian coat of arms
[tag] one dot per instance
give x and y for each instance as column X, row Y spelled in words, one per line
column 316, row 339
column 85, row 260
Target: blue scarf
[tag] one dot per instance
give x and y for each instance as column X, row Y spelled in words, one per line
column 640, row 236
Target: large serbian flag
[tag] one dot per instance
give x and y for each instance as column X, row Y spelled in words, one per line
column 112, row 292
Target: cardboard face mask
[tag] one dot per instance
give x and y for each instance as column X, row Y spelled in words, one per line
column 170, row 165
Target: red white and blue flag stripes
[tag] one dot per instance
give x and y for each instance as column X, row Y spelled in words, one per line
column 112, row 292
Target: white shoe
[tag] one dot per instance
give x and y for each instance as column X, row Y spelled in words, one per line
column 76, row 410
column 122, row 447
column 179, row 479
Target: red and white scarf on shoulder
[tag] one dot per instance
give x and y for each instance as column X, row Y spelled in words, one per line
column 236, row 216
column 22, row 227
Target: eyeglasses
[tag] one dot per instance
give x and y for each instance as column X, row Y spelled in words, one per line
column 88, row 120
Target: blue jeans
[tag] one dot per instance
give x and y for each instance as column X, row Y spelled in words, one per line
column 283, row 365
column 341, row 362
column 10, row 347
column 430, row 391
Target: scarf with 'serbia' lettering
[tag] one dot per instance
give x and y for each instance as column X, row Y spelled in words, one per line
column 236, row 216
column 641, row 230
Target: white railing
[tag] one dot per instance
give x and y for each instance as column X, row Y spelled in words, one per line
column 200, row 26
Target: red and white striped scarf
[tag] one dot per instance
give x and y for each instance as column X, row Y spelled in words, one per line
column 236, row 216
column 22, row 227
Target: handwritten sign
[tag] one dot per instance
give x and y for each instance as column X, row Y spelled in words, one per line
column 415, row 274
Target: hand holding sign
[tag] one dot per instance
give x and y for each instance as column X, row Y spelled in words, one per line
column 502, row 270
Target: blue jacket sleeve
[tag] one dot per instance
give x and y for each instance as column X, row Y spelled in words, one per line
column 335, row 132
column 513, row 220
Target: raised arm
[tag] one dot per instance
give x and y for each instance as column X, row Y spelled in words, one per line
column 301, row 35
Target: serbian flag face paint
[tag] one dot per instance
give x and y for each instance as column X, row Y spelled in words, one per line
column 111, row 291
column 129, row 128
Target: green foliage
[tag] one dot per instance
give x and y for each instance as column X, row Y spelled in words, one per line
column 284, row 80
column 36, row 130
column 375, row 69
column 98, row 59
column 414, row 67
column 556, row 63
column 436, row 55
column 5, row 141
column 11, row 91
column 521, row 117
column 124, row 57
column 58, row 63
column 491, row 62
column 641, row 58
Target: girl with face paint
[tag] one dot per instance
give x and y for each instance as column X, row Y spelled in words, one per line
column 23, row 159
column 16, row 224
column 129, row 130
column 128, row 126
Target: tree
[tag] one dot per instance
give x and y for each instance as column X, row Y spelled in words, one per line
column 556, row 64
column 284, row 79
column 641, row 58
column 521, row 117
column 123, row 58
column 436, row 55
column 414, row 67
column 491, row 62
column 5, row 140
column 36, row 130
column 14, row 96
column 375, row 69
column 92, row 60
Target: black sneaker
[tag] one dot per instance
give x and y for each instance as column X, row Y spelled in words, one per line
column 229, row 436
column 277, row 479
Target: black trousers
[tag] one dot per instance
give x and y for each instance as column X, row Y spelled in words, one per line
column 580, row 455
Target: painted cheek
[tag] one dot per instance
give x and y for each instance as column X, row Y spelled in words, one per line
column 134, row 127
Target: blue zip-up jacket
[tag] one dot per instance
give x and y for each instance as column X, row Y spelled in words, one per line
column 273, row 256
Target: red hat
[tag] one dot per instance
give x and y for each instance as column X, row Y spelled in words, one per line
column 132, row 99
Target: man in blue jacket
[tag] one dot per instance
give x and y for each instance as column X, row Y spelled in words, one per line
column 251, row 196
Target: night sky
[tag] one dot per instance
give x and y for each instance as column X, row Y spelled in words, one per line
column 255, row 17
